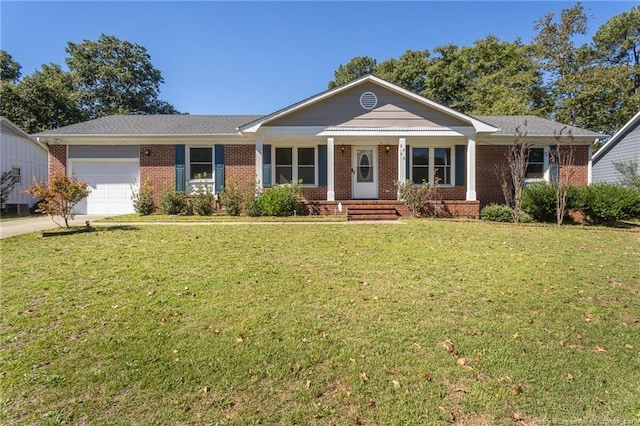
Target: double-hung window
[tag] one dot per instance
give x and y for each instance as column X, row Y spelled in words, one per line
column 295, row 164
column 15, row 174
column 200, row 163
column 442, row 165
column 420, row 167
column 535, row 164
column 431, row 165
column 284, row 165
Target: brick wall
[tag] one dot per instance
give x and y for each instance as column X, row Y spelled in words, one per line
column 57, row 160
column 159, row 167
column 453, row 193
column 240, row 166
column 488, row 159
column 578, row 172
column 315, row 194
column 388, row 173
column 342, row 171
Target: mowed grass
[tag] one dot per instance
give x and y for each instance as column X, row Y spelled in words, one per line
column 430, row 322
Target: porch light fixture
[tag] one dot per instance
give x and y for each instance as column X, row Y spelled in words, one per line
column 147, row 152
column 387, row 149
column 342, row 148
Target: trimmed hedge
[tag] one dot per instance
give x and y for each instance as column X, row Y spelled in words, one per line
column 607, row 202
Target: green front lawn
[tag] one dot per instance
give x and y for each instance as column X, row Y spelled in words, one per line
column 157, row 217
column 428, row 322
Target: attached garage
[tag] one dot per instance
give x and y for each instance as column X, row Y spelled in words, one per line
column 112, row 173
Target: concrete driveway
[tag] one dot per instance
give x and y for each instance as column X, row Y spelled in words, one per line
column 15, row 227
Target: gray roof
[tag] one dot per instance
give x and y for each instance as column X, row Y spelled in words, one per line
column 535, row 126
column 193, row 125
column 155, row 125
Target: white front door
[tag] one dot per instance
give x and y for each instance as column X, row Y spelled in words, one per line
column 365, row 173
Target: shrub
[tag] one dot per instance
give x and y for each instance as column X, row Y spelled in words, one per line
column 143, row 199
column 172, row 202
column 254, row 206
column 202, row 200
column 539, row 201
column 281, row 200
column 59, row 196
column 607, row 203
column 231, row 198
column 497, row 213
column 417, row 197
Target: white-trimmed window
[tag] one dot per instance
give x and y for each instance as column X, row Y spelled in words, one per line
column 420, row 166
column 431, row 165
column 295, row 164
column 536, row 164
column 200, row 163
column 442, row 165
column 15, row 173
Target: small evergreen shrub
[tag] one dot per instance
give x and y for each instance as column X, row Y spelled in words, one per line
column 143, row 199
column 254, row 206
column 172, row 202
column 281, row 200
column 539, row 201
column 231, row 198
column 202, row 200
column 608, row 203
column 497, row 213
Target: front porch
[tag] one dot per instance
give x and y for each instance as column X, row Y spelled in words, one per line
column 441, row 208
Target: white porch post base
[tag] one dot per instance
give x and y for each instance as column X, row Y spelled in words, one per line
column 402, row 161
column 331, row 192
column 259, row 163
column 471, row 170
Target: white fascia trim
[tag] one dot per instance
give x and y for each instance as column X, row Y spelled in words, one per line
column 533, row 140
column 141, row 140
column 391, row 132
column 364, row 131
column 618, row 135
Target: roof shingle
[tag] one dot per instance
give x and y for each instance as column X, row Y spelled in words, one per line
column 155, row 125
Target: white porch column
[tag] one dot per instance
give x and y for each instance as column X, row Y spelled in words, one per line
column 590, row 165
column 402, row 161
column 259, row 152
column 331, row 192
column 471, row 169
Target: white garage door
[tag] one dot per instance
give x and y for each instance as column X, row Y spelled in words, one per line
column 111, row 186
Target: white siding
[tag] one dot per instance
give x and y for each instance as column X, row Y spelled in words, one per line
column 627, row 148
column 19, row 151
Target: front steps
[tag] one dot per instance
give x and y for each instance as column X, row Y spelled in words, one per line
column 372, row 210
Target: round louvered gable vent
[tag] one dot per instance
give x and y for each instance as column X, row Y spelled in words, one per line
column 368, row 100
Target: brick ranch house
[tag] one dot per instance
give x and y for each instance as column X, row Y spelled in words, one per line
column 350, row 143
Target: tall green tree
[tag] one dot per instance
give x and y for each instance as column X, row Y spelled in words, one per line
column 357, row 67
column 408, row 71
column 47, row 99
column 115, row 77
column 561, row 59
column 9, row 68
column 491, row 77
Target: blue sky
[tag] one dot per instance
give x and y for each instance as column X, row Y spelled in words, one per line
column 258, row 57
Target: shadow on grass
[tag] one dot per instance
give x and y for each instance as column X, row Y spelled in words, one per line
column 108, row 228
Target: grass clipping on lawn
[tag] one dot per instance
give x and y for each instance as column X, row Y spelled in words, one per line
column 430, row 322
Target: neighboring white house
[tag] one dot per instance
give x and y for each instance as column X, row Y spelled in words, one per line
column 26, row 159
column 623, row 146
